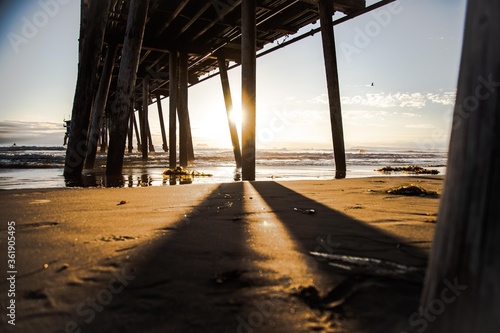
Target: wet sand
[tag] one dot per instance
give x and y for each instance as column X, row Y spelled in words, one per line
column 295, row 256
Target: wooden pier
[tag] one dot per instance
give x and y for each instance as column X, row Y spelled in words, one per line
column 134, row 53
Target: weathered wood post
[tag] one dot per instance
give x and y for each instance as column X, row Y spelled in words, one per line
column 248, row 87
column 190, row 147
column 150, row 138
column 137, row 134
column 104, row 134
column 461, row 292
column 332, row 79
column 226, row 90
column 127, row 75
column 131, row 133
column 144, row 118
column 162, row 123
column 96, row 122
column 183, row 109
column 172, row 115
column 85, row 87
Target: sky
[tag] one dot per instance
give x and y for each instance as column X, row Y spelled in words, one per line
column 410, row 51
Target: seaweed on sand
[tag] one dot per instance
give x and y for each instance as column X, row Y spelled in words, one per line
column 180, row 171
column 410, row 169
column 411, row 190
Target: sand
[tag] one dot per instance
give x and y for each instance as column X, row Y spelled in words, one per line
column 232, row 257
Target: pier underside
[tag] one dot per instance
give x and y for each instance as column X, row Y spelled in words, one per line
column 134, row 53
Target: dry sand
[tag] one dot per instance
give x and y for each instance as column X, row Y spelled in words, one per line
column 231, row 257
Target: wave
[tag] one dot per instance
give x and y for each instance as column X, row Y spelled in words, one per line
column 53, row 157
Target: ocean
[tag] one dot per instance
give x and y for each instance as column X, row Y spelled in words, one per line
column 42, row 167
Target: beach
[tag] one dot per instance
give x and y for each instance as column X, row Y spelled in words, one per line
column 266, row 256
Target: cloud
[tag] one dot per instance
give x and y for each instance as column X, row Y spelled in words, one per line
column 363, row 114
column 447, row 98
column 35, row 133
column 415, row 100
column 421, row 126
column 410, row 115
column 321, row 99
column 382, row 100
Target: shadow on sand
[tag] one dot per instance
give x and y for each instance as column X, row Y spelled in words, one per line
column 202, row 276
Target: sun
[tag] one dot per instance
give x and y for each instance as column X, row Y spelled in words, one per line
column 235, row 116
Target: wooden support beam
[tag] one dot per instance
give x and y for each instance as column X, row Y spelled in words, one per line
column 183, row 109
column 172, row 131
column 162, row 124
column 194, row 18
column 461, row 291
column 150, row 138
column 174, row 15
column 221, row 14
column 90, row 54
column 104, row 135
column 144, row 118
column 131, row 133
column 123, row 105
column 137, row 132
column 248, row 87
column 332, row 80
column 96, row 122
column 229, row 110
column 190, row 146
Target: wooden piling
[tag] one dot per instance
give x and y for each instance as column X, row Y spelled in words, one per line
column 96, row 122
column 137, row 133
column 327, row 36
column 162, row 124
column 229, row 110
column 248, row 87
column 461, row 291
column 104, row 135
column 183, row 109
column 190, row 147
column 127, row 75
column 90, row 53
column 144, row 118
column 172, row 121
column 150, row 138
column 131, row 133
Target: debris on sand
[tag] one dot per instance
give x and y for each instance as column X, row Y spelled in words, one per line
column 409, row 169
column 180, row 171
column 411, row 190
column 305, row 211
